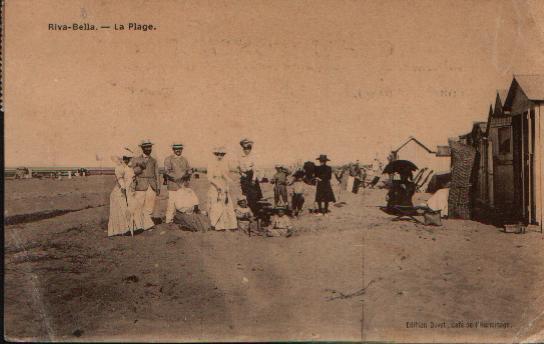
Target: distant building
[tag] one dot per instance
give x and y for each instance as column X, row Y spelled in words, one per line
column 443, row 151
column 418, row 153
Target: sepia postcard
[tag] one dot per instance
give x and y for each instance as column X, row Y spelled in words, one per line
column 273, row 171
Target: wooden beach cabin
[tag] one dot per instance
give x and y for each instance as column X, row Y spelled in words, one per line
column 501, row 171
column 525, row 102
column 480, row 176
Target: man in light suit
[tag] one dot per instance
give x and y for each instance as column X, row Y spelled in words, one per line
column 148, row 186
column 176, row 170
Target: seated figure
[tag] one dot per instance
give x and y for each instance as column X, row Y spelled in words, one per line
column 401, row 193
column 188, row 215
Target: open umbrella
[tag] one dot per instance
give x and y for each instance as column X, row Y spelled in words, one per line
column 402, row 167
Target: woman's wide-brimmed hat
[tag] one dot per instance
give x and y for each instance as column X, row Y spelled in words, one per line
column 146, row 143
column 246, row 143
column 323, row 157
column 128, row 152
column 219, row 150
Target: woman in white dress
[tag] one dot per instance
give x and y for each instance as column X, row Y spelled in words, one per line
column 220, row 205
column 122, row 197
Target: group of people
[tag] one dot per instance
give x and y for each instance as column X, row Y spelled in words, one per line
column 138, row 183
column 354, row 176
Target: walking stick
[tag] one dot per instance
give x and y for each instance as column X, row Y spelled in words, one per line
column 132, row 217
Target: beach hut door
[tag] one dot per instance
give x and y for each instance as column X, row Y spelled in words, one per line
column 490, row 190
column 524, row 134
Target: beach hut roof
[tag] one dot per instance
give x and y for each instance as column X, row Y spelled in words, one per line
column 411, row 138
column 502, row 93
column 500, row 99
column 489, row 116
column 482, row 126
column 532, row 85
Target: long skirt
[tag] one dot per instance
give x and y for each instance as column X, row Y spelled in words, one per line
column 252, row 191
column 192, row 222
column 324, row 192
column 121, row 217
column 344, row 181
column 311, row 193
column 356, row 185
column 349, row 185
column 221, row 210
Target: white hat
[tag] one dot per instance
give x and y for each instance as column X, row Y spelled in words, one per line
column 246, row 142
column 146, row 143
column 127, row 152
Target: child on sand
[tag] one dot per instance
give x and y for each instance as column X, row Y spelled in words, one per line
column 243, row 214
column 281, row 225
column 297, row 200
column 280, row 186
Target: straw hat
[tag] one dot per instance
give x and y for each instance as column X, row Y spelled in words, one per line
column 219, row 150
column 245, row 142
column 127, row 152
column 146, row 143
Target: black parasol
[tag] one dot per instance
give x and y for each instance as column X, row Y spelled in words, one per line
column 402, row 167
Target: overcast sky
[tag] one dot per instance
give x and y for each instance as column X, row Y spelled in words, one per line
column 351, row 79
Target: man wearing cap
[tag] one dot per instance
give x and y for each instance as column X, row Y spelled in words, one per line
column 148, row 185
column 176, row 171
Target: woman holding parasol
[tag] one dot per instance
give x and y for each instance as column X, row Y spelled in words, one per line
column 401, row 191
column 220, row 205
column 121, row 218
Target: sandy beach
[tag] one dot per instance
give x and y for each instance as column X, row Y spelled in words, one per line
column 352, row 275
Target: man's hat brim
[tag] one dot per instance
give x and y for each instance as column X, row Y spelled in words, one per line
column 246, row 143
column 219, row 150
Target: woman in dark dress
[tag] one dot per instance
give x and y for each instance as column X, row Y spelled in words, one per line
column 401, row 192
column 249, row 182
column 324, row 193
